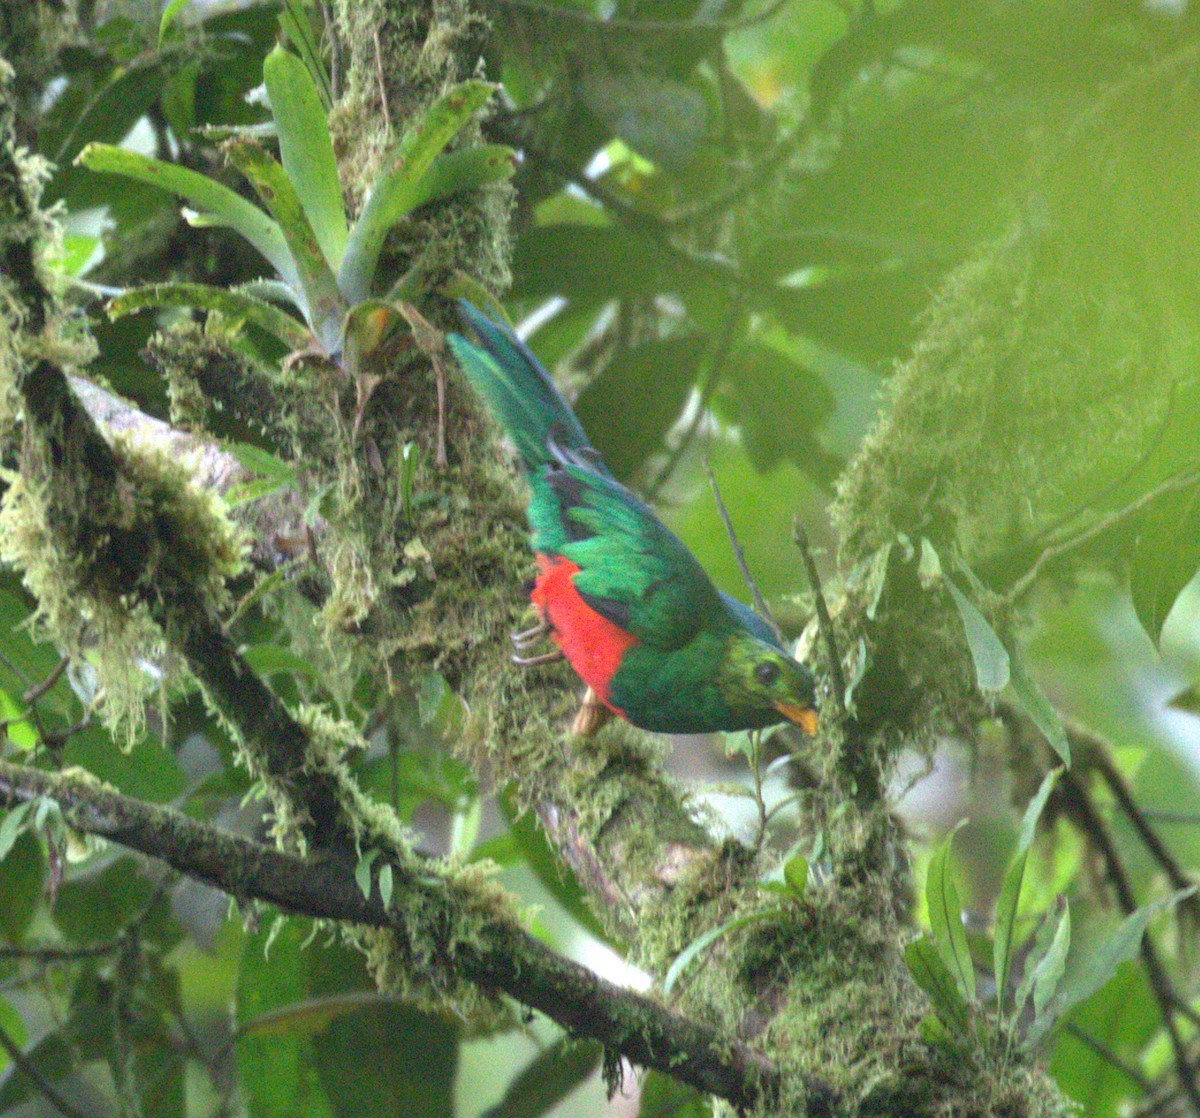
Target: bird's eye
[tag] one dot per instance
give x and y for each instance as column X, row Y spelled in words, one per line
column 766, row 673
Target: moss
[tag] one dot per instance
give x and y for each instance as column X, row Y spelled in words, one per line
column 86, row 560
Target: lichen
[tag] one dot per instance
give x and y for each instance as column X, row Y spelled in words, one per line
column 63, row 541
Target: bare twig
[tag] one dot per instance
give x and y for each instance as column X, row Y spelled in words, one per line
column 1080, row 808
column 824, row 623
column 709, row 378
column 40, row 1083
column 383, row 97
column 739, row 554
column 1023, row 584
column 34, row 693
column 1108, row 1055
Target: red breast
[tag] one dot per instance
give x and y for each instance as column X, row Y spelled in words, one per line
column 592, row 644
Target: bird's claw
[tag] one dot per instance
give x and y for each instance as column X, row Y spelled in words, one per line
column 524, row 641
column 533, row 661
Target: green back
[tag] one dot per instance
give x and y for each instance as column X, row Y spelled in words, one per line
column 634, row 571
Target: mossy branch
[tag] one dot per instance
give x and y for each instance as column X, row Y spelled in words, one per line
column 502, row 958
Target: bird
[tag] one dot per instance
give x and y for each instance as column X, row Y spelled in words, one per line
column 619, row 594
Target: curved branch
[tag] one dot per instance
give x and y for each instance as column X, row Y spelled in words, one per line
column 504, row 958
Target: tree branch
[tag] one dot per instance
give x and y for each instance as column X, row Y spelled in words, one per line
column 502, row 958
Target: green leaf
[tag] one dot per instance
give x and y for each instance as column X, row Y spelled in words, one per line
column 386, row 884
column 272, row 659
column 1048, row 973
column 558, row 879
column 263, row 462
column 1039, row 708
column 1010, row 892
column 1101, row 964
column 12, row 827
column 659, row 117
column 362, row 872
column 548, row 1079
column 306, row 150
column 685, row 958
column 924, row 961
column 22, row 877
column 659, row 376
column 992, row 668
column 795, row 873
column 169, row 16
column 113, row 111
column 276, row 1062
column 17, row 727
column 309, row 1016
column 297, row 30
column 458, row 172
column 217, row 200
column 326, row 307
column 230, row 303
column 398, row 188
column 945, row 918
column 663, row 1096
column 14, row 1029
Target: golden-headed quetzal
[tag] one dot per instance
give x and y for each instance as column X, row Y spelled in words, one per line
column 622, row 597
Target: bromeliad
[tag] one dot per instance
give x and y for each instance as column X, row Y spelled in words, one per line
column 621, row 596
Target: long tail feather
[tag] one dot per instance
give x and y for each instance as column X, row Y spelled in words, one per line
column 517, row 389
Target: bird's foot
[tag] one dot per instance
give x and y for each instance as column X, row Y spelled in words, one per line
column 532, row 661
column 591, row 715
column 524, row 641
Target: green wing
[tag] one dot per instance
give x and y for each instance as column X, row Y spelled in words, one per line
column 633, row 569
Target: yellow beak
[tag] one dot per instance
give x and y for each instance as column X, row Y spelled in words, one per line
column 804, row 717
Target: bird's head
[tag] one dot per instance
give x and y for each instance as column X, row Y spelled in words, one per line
column 755, row 676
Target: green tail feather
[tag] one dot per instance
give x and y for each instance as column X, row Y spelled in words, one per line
column 517, row 389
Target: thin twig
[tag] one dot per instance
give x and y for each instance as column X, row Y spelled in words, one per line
column 40, row 1083
column 1022, row 585
column 32, row 695
column 709, row 379
column 49, row 953
column 679, row 28
column 1088, row 820
column 824, row 624
column 383, row 97
column 1183, row 818
column 739, row 554
column 1137, row 819
column 1108, row 1055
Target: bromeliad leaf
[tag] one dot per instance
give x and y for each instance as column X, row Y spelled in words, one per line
column 326, row 307
column 1048, row 973
column 297, row 30
column 219, row 202
column 232, row 304
column 459, row 171
column 399, row 187
column 945, row 918
column 306, row 150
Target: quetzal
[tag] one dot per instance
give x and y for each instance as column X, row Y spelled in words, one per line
column 622, row 597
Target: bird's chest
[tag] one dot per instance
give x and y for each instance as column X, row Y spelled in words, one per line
column 593, row 645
